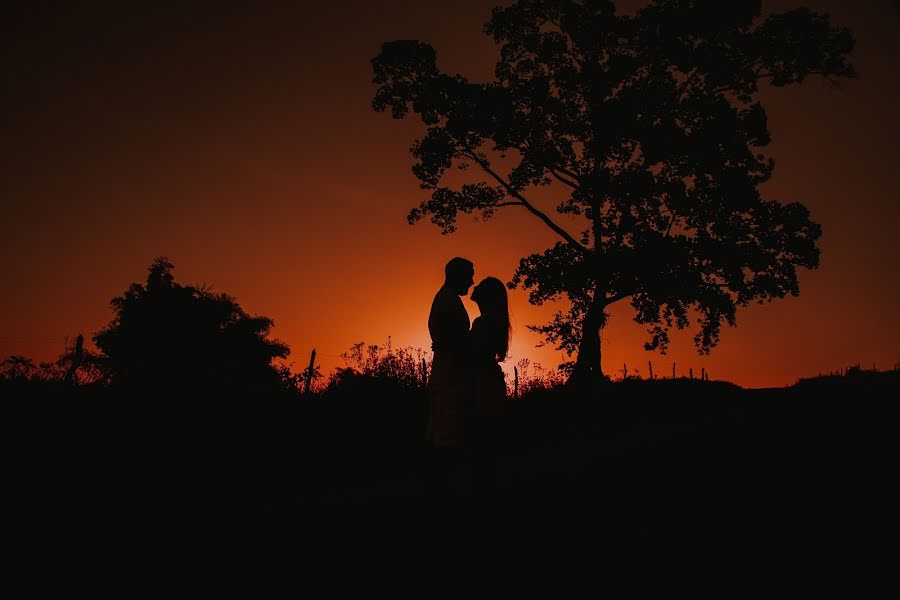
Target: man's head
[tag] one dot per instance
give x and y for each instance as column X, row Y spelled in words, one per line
column 460, row 275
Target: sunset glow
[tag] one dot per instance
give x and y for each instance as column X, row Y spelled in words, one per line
column 244, row 148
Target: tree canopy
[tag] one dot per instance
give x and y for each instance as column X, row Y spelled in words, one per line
column 652, row 126
column 169, row 335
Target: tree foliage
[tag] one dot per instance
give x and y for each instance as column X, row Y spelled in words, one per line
column 652, row 126
column 165, row 334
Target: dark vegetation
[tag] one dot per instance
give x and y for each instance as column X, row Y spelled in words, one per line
column 234, row 473
column 181, row 449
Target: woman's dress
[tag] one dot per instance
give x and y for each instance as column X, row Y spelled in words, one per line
column 488, row 384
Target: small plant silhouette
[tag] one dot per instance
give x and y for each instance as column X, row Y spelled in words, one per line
column 402, row 365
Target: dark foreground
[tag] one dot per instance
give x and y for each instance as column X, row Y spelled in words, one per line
column 646, row 485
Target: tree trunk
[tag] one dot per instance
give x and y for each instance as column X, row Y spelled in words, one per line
column 587, row 365
column 588, row 370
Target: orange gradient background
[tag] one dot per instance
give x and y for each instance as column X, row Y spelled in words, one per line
column 241, row 144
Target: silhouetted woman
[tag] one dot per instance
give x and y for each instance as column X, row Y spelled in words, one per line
column 488, row 345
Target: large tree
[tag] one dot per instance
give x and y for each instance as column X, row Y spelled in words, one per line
column 652, row 126
column 165, row 334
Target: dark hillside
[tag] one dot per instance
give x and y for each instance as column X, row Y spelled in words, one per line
column 645, row 482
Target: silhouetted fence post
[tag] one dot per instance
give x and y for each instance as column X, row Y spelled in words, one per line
column 515, row 383
column 309, row 372
column 650, row 366
column 702, row 373
column 77, row 357
column 673, row 370
column 624, row 371
column 691, row 371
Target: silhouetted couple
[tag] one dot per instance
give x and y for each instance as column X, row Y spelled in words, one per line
column 467, row 388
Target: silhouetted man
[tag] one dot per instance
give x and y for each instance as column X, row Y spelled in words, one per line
column 448, row 325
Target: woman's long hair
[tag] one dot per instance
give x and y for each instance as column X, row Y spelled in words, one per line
column 490, row 295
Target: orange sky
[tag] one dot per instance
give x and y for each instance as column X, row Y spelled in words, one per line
column 243, row 147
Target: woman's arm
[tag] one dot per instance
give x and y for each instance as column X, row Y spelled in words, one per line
column 478, row 345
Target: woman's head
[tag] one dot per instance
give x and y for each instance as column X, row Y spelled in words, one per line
column 490, row 296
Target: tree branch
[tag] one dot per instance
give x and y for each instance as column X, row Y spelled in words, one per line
column 568, row 173
column 562, row 179
column 531, row 208
column 762, row 76
column 671, row 222
column 555, row 170
column 611, row 299
column 686, row 84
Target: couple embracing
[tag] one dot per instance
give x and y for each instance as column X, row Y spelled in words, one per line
column 466, row 388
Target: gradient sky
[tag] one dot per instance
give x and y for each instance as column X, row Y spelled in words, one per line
column 240, row 143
